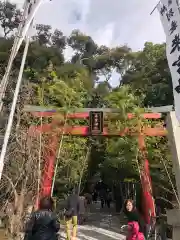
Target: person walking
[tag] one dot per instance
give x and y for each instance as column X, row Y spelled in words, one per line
column 109, row 199
column 82, row 209
column 71, row 214
column 103, row 197
column 43, row 223
column 95, row 196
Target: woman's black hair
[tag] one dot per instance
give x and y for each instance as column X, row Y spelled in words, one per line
column 125, row 204
column 46, row 203
column 134, row 216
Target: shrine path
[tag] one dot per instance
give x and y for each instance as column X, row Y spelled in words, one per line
column 101, row 225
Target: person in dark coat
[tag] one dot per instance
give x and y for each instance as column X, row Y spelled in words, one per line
column 133, row 215
column 95, row 196
column 43, row 223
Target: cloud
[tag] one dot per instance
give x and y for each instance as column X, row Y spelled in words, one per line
column 104, row 36
column 108, row 21
column 68, row 53
column 133, row 23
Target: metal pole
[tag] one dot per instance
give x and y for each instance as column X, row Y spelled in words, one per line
column 13, row 108
column 155, row 8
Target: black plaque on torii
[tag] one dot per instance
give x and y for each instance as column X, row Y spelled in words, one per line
column 96, row 122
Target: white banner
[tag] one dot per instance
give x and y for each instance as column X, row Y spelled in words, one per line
column 170, row 18
column 31, row 9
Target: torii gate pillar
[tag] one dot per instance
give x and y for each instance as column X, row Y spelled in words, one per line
column 173, row 127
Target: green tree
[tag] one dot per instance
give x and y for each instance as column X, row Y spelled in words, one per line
column 83, row 45
column 10, row 17
column 121, row 151
column 58, row 39
column 43, row 34
column 148, row 74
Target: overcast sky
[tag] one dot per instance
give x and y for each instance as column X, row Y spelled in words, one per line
column 109, row 22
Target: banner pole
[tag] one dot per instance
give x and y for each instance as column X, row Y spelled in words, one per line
column 154, row 8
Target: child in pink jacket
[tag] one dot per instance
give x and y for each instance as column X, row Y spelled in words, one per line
column 133, row 232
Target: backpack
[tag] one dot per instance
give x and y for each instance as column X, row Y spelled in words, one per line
column 133, row 232
column 69, row 213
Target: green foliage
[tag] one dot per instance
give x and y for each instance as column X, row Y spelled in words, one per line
column 122, row 153
column 9, row 17
column 149, row 75
column 72, row 164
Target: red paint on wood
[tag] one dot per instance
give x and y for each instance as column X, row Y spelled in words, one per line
column 147, row 200
column 83, row 131
column 84, row 115
column 48, row 172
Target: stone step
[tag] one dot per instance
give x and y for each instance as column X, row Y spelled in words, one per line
column 1, row 139
column 3, row 121
column 2, row 235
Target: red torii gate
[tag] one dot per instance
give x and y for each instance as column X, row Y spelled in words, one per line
column 56, row 129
